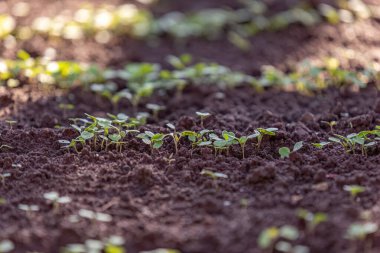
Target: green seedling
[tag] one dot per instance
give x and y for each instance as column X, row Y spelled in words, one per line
column 29, row 209
column 11, row 123
column 112, row 245
column 94, row 216
column 56, row 200
column 180, row 62
column 6, row 246
column 285, row 151
column 360, row 231
column 175, row 135
column 3, row 177
column 354, row 190
column 197, row 139
column 312, row 220
column 155, row 141
column 331, row 124
column 261, row 133
column 203, row 116
column 321, row 145
column 155, row 109
column 269, row 236
column 243, row 142
column 224, row 142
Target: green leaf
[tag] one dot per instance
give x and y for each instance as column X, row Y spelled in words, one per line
column 284, row 152
column 157, row 144
column 86, row 135
column 298, row 146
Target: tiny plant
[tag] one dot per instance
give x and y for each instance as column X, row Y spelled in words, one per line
column 155, row 141
column 3, row 177
column 56, row 200
column 175, row 135
column 312, row 220
column 321, row 145
column 155, row 110
column 354, row 190
column 285, row 151
column 203, row 116
column 331, row 124
column 11, row 123
column 262, row 132
column 243, row 141
column 213, row 175
column 359, row 231
column 268, row 237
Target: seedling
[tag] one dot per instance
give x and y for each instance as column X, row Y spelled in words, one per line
column 261, row 133
column 285, row 151
column 56, row 200
column 360, row 231
column 269, row 236
column 114, row 244
column 28, row 208
column 175, row 135
column 243, row 141
column 3, row 177
column 11, row 123
column 203, row 116
column 180, row 62
column 227, row 139
column 65, row 108
column 6, row 246
column 2, row 147
column 155, row 109
column 155, row 141
column 354, row 190
column 331, row 124
column 321, row 145
column 312, row 220
column 213, row 175
column 94, row 216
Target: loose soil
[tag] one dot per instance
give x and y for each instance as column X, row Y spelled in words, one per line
column 161, row 201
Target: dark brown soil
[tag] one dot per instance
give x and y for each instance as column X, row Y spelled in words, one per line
column 159, row 201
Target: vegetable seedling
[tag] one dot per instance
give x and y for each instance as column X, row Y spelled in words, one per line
column 285, row 151
column 269, row 236
column 228, row 139
column 6, row 246
column 354, row 190
column 3, row 177
column 155, row 109
column 213, row 175
column 359, row 231
column 261, row 132
column 312, row 220
column 56, row 200
column 11, row 123
column 155, row 141
column 331, row 124
column 203, row 116
column 175, row 135
column 243, row 141
column 321, row 145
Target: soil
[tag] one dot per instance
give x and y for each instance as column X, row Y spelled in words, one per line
column 158, row 200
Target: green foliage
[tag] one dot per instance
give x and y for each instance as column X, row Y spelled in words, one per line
column 155, row 141
column 262, row 132
column 312, row 220
column 354, row 190
column 269, row 236
column 285, row 151
column 359, row 231
column 56, row 200
column 203, row 116
column 114, row 244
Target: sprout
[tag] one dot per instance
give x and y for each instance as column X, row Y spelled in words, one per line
column 269, row 236
column 359, row 231
column 203, row 116
column 175, row 135
column 285, row 151
column 3, row 176
column 228, row 139
column 312, row 219
column 261, row 132
column 155, row 141
column 321, row 145
column 331, row 124
column 213, row 175
column 56, row 200
column 11, row 123
column 354, row 190
column 243, row 141
column 155, row 109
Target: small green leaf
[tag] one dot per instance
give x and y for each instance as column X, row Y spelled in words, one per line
column 284, row 152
